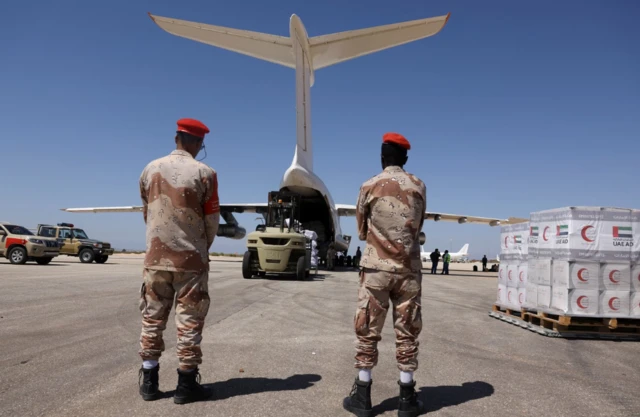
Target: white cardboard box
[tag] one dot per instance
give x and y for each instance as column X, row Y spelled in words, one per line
column 575, row 301
column 544, row 296
column 531, row 300
column 614, row 303
column 615, row 276
column 502, row 294
column 544, row 272
column 571, row 275
column 502, row 273
column 512, row 298
column 512, row 275
column 523, row 269
column 635, row 304
column 635, row 276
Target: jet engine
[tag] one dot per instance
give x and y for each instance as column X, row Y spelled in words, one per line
column 231, row 231
column 423, row 238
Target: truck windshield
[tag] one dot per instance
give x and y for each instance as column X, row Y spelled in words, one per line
column 80, row 234
column 17, row 230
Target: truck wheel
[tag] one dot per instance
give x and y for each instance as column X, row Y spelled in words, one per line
column 43, row 261
column 87, row 256
column 301, row 268
column 18, row 255
column 246, row 265
column 102, row 259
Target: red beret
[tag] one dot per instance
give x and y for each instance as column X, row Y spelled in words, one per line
column 396, row 139
column 192, row 127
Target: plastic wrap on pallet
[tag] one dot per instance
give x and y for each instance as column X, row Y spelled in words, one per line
column 634, row 308
column 531, row 298
column 576, row 275
column 544, row 271
column 544, row 297
column 635, row 226
column 501, row 297
column 615, row 276
column 575, row 301
column 502, row 273
column 512, row 298
column 635, row 277
column 614, row 303
column 522, row 297
column 514, row 242
column 512, row 275
column 523, row 270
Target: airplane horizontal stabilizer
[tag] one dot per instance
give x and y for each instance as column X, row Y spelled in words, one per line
column 332, row 49
column 272, row 48
column 231, row 208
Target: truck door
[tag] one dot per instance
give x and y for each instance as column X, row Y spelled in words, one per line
column 64, row 238
column 3, row 238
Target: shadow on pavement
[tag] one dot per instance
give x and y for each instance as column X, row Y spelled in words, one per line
column 247, row 386
column 436, row 398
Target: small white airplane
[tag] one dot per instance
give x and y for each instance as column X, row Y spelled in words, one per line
column 455, row 256
column 305, row 55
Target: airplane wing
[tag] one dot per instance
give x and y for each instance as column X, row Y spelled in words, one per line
column 230, row 208
column 350, row 210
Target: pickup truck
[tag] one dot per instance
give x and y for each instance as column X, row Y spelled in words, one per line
column 19, row 245
column 75, row 242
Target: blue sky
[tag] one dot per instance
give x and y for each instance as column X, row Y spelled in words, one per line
column 514, row 107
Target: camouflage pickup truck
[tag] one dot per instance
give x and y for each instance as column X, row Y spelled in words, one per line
column 19, row 245
column 75, row 242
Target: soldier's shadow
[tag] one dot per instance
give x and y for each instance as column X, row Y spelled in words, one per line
column 234, row 387
column 436, row 398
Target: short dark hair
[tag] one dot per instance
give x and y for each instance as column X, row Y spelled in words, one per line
column 187, row 139
column 394, row 154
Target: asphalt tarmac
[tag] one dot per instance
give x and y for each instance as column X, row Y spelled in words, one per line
column 276, row 347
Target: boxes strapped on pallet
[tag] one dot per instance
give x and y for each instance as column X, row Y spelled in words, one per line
column 512, row 272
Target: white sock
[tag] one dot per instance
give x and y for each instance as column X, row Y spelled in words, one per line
column 364, row 375
column 406, row 377
column 149, row 364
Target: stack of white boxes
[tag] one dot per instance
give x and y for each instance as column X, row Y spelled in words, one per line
column 582, row 261
column 513, row 270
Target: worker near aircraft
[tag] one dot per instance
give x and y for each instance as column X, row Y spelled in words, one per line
column 331, row 257
column 182, row 213
column 446, row 259
column 435, row 258
column 389, row 216
column 357, row 257
column 484, row 263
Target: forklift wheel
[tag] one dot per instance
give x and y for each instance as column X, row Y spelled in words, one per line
column 301, row 270
column 246, row 265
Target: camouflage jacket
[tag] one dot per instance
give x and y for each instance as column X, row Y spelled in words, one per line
column 389, row 216
column 181, row 210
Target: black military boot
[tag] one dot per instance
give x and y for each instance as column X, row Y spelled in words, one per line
column 189, row 388
column 359, row 401
column 148, row 381
column 408, row 404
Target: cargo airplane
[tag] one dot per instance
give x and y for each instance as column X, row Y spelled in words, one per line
column 305, row 55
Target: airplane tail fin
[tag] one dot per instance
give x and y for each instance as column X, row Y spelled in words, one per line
column 304, row 54
column 465, row 249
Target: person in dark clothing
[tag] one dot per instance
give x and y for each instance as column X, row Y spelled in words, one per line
column 356, row 258
column 484, row 263
column 435, row 257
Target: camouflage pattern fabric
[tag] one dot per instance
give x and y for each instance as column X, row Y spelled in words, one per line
column 376, row 289
column 389, row 216
column 157, row 293
column 182, row 211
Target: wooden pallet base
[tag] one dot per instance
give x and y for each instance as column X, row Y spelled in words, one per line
column 554, row 325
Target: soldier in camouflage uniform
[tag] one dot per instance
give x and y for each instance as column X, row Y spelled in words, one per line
column 182, row 214
column 390, row 214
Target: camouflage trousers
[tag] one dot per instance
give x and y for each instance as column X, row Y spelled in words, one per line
column 157, row 294
column 404, row 291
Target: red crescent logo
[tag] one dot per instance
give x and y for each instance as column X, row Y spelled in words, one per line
column 520, row 298
column 506, row 241
column 611, row 301
column 612, row 276
column 509, row 295
column 521, row 275
column 582, row 276
column 584, row 233
column 509, row 275
column 544, row 233
column 579, row 301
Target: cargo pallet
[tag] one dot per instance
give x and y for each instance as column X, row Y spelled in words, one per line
column 570, row 327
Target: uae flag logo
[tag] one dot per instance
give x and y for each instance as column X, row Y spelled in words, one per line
column 562, row 230
column 622, row 232
column 534, row 231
